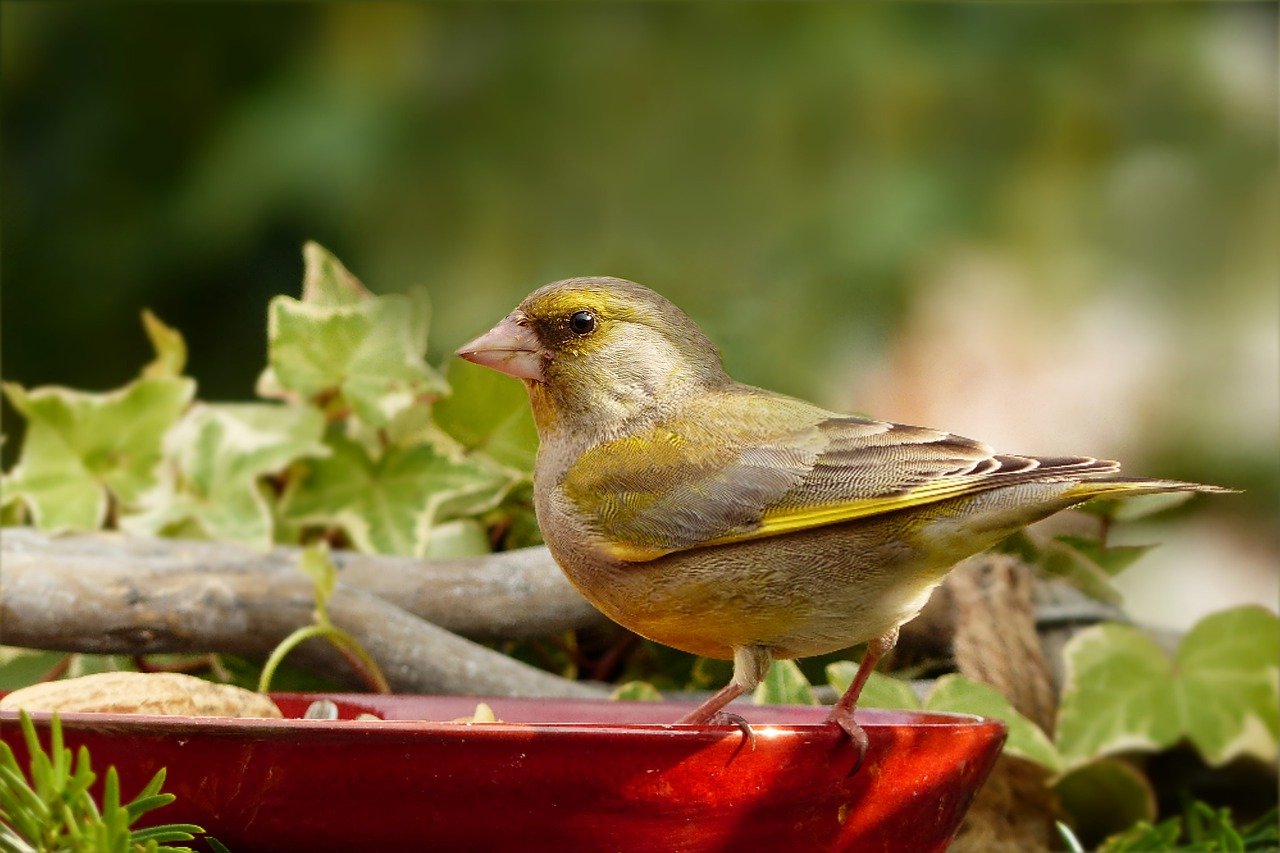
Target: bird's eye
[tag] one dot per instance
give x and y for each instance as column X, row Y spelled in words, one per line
column 582, row 323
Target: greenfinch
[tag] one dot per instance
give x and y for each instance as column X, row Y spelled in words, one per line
column 737, row 523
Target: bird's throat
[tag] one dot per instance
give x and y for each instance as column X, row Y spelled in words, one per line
column 546, row 414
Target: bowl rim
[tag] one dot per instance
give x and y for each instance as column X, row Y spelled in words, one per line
column 133, row 723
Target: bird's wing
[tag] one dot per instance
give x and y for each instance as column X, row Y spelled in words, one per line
column 749, row 471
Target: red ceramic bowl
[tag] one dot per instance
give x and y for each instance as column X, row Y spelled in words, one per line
column 555, row 775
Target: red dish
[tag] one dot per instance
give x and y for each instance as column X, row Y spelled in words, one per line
column 555, row 775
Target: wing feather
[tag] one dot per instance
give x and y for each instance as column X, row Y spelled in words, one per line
column 685, row 484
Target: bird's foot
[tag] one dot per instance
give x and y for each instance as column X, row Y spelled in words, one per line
column 722, row 718
column 857, row 734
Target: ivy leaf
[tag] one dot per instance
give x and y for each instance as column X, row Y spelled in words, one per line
column 636, row 691
column 1118, row 694
column 388, row 505
column 462, row 537
column 704, row 674
column 1021, row 545
column 1062, row 559
column 83, row 449
column 363, row 357
column 1104, row 797
column 411, row 425
column 522, row 529
column 1228, row 678
column 1026, row 740
column 13, row 512
column 20, row 667
column 325, row 281
column 784, row 684
column 1123, row 693
column 956, row 694
column 171, row 349
column 216, row 458
column 1112, row 559
column 489, row 413
column 344, row 349
column 880, row 691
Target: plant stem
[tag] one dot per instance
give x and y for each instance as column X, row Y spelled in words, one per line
column 360, row 660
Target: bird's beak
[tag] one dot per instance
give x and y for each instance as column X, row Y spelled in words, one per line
column 509, row 347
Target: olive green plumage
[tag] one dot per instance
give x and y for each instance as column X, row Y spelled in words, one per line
column 734, row 522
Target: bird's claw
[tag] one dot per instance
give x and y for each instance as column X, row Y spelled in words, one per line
column 857, row 735
column 725, row 718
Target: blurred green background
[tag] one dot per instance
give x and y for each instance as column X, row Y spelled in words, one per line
column 1049, row 226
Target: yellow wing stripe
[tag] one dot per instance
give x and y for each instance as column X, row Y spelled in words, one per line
column 790, row 519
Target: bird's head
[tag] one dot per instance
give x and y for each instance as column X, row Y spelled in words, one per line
column 602, row 347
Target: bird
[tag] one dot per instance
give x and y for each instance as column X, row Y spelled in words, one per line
column 742, row 524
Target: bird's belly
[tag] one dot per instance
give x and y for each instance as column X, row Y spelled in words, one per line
column 803, row 593
column 799, row 594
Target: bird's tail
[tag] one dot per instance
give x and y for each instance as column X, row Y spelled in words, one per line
column 1122, row 487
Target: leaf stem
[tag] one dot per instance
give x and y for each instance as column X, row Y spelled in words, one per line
column 347, row 646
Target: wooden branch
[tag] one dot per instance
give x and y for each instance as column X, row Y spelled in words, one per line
column 515, row 595
column 512, row 595
column 105, row 593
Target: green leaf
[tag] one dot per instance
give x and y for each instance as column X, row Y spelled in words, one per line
column 54, row 809
column 1118, row 695
column 1112, row 559
column 704, row 673
column 462, row 537
column 1263, row 833
column 1212, row 827
column 388, row 505
column 1228, row 685
column 1142, row 837
column 636, row 691
column 880, row 691
column 1104, row 797
column 216, row 458
column 366, row 357
column 1079, row 569
column 1123, row 693
column 83, row 449
column 522, row 525
column 1026, row 739
column 784, row 684
column 1021, row 545
column 489, row 413
column 326, row 281
column 409, row 426
column 13, row 511
column 171, row 349
column 20, row 667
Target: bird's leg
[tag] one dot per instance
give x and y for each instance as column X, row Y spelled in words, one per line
column 708, row 710
column 842, row 712
column 750, row 664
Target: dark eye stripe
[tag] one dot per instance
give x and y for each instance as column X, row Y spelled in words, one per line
column 582, row 323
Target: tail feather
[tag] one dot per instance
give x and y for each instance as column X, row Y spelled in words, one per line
column 1132, row 486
